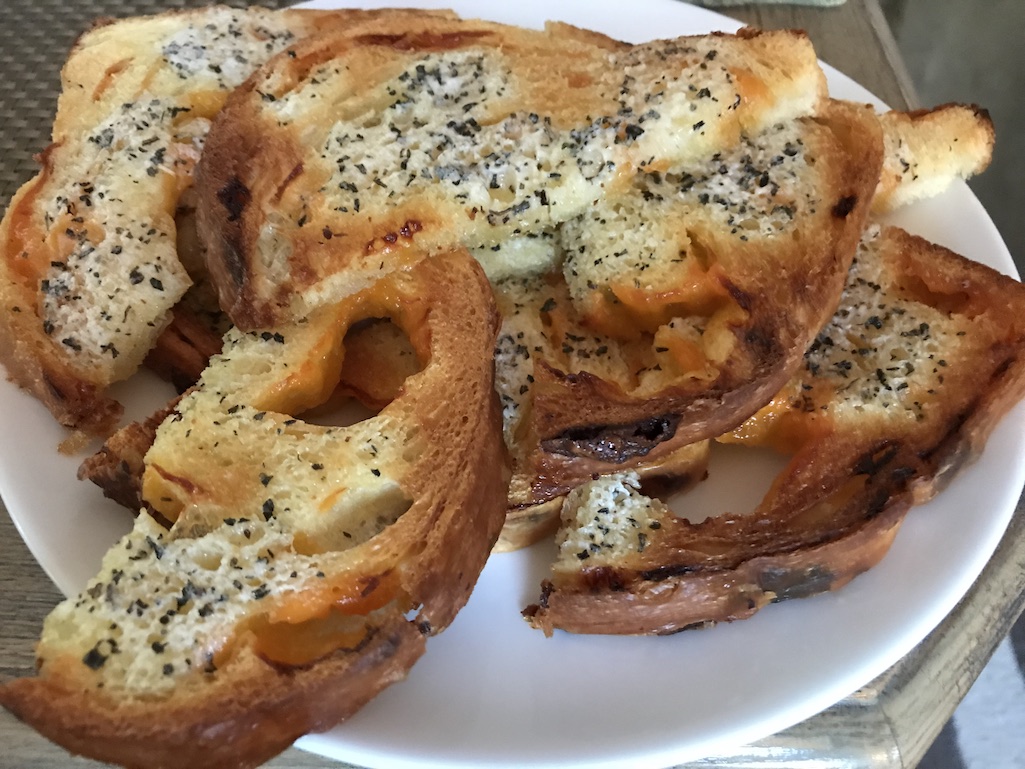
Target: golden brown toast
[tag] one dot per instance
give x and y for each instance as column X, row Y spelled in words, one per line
column 408, row 139
column 337, row 550
column 307, row 564
column 627, row 268
column 517, row 268
column 644, row 379
column 899, row 390
column 379, row 357
column 524, row 272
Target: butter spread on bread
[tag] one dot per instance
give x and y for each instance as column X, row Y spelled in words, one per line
column 901, row 389
column 307, row 563
column 403, row 141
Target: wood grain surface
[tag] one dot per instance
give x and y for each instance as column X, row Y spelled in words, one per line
column 889, row 723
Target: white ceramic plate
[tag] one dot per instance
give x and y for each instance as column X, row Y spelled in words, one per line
column 491, row 691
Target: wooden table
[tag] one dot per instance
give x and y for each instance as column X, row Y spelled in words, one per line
column 889, row 723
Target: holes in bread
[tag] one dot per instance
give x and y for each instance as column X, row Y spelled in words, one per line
column 947, row 300
column 379, row 357
column 348, row 517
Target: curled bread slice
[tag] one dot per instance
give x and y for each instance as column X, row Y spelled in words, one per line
column 949, row 142
column 307, row 563
column 410, row 138
column 679, row 309
column 88, row 265
column 899, row 390
column 525, row 273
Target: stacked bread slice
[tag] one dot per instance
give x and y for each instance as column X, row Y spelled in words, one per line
column 683, row 305
column 358, row 153
column 307, row 564
column 551, row 266
column 286, row 571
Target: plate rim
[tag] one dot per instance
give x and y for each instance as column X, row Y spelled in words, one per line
column 331, row 745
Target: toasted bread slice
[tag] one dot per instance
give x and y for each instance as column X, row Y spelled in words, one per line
column 928, row 149
column 306, row 564
column 524, row 271
column 899, row 390
column 406, row 140
column 601, row 271
column 88, row 263
column 924, row 151
column 528, row 523
column 680, row 309
column 379, row 357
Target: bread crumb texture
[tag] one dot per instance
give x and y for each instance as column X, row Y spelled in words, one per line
column 882, row 353
column 453, row 121
column 605, row 521
column 107, row 209
column 163, row 607
column 762, row 191
column 756, row 190
column 235, row 440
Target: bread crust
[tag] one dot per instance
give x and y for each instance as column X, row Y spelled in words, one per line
column 131, row 112
column 242, row 722
column 663, row 603
column 867, row 445
column 118, row 466
column 672, row 474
